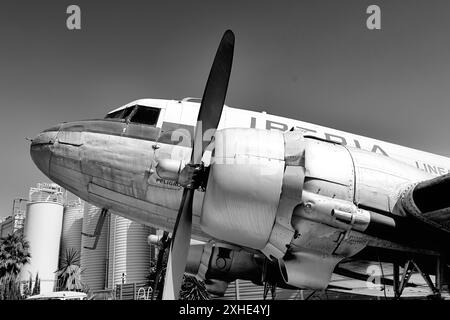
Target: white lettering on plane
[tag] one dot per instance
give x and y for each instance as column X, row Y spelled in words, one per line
column 274, row 125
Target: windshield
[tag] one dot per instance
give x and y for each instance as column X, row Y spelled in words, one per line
column 146, row 115
column 120, row 114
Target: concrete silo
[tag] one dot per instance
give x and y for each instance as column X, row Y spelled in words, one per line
column 129, row 252
column 72, row 226
column 43, row 225
column 93, row 262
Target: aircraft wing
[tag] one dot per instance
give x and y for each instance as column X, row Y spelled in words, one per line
column 429, row 201
column 372, row 278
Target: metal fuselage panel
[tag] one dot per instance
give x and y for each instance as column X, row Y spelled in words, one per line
column 358, row 176
column 380, row 181
column 113, row 170
column 329, row 170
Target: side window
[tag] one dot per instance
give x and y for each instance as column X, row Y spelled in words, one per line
column 146, row 115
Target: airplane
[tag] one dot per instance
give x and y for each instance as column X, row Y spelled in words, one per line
column 280, row 202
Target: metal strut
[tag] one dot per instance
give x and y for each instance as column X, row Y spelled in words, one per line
column 409, row 268
column 273, row 290
column 442, row 273
column 268, row 285
column 98, row 229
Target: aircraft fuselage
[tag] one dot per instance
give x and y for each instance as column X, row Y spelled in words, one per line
column 111, row 162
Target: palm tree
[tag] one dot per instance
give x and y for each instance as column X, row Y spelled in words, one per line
column 9, row 288
column 14, row 254
column 69, row 272
column 191, row 288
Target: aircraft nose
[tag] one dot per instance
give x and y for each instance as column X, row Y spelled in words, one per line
column 40, row 149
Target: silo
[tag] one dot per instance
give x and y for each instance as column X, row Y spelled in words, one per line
column 72, row 226
column 129, row 252
column 93, row 262
column 42, row 229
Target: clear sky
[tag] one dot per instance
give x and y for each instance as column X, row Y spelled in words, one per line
column 311, row 60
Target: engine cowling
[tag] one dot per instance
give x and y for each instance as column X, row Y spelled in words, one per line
column 326, row 232
column 248, row 173
column 255, row 180
column 244, row 186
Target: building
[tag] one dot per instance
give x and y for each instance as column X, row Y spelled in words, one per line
column 16, row 220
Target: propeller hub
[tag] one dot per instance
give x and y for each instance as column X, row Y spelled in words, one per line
column 190, row 176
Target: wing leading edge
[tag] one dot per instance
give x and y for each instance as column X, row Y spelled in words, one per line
column 429, row 201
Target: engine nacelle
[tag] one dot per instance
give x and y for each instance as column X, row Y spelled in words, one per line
column 224, row 262
column 326, row 232
column 244, row 186
column 301, row 200
column 246, row 179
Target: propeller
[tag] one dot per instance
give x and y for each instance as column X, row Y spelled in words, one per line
column 163, row 244
column 207, row 122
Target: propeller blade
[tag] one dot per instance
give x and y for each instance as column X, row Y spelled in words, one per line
column 165, row 240
column 179, row 248
column 213, row 96
column 208, row 119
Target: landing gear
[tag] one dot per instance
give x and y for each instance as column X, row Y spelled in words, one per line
column 410, row 265
column 268, row 285
column 273, row 290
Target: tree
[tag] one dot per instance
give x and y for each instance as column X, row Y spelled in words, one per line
column 9, row 288
column 69, row 272
column 14, row 254
column 191, row 288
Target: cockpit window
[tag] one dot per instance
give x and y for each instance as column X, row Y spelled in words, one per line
column 127, row 112
column 146, row 115
column 114, row 115
column 120, row 114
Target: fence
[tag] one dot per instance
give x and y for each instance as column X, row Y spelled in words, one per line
column 134, row 291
